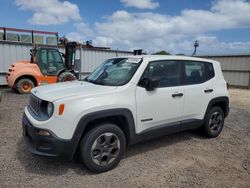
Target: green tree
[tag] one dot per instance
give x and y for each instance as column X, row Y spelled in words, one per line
column 163, row 52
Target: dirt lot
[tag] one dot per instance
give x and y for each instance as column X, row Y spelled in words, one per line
column 180, row 160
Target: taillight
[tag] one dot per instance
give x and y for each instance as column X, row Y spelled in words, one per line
column 227, row 86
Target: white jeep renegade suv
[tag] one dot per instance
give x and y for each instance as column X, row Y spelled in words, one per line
column 124, row 101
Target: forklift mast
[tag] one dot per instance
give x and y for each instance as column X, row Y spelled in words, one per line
column 70, row 52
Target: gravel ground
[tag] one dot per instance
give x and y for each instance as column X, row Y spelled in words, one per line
column 180, row 160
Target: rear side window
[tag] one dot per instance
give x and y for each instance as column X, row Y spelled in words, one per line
column 196, row 72
column 209, row 71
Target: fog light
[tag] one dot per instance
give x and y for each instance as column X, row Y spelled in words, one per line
column 43, row 133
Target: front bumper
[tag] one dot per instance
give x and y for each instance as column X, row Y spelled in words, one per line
column 50, row 146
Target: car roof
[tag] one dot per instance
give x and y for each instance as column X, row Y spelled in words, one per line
column 169, row 57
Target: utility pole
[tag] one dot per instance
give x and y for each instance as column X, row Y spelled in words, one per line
column 196, row 45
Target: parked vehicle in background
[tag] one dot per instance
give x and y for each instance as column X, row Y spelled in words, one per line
column 124, row 101
column 45, row 67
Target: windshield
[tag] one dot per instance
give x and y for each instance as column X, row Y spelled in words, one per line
column 114, row 72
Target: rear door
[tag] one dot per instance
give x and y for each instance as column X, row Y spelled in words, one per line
column 163, row 106
column 198, row 85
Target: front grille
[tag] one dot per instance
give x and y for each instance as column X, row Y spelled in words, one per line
column 35, row 104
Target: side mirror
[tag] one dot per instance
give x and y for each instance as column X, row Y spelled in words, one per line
column 150, row 83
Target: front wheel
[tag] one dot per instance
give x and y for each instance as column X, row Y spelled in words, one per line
column 102, row 148
column 214, row 122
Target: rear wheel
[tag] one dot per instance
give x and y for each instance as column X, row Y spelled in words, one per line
column 214, row 122
column 102, row 148
column 66, row 76
column 24, row 85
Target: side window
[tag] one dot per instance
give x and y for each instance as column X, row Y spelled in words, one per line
column 194, row 72
column 54, row 57
column 42, row 59
column 209, row 71
column 167, row 71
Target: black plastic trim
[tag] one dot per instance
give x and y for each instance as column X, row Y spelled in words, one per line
column 50, row 146
column 149, row 119
column 208, row 90
column 156, row 131
column 218, row 100
column 85, row 120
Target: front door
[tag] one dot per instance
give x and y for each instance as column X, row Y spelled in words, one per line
column 49, row 61
column 164, row 105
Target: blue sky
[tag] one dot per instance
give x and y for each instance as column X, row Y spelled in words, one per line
column 221, row 26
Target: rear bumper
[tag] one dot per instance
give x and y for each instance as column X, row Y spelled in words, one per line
column 50, row 146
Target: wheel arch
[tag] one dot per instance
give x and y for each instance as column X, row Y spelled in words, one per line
column 222, row 102
column 60, row 72
column 64, row 70
column 33, row 78
column 121, row 117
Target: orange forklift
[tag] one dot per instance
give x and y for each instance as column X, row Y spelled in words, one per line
column 47, row 65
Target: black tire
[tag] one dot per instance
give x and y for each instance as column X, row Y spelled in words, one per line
column 66, row 76
column 14, row 88
column 94, row 152
column 214, row 122
column 24, row 85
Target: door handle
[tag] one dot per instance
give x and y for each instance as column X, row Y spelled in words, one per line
column 208, row 90
column 177, row 95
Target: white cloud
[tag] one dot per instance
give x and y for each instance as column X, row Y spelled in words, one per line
column 141, row 4
column 152, row 31
column 103, row 41
column 82, row 34
column 148, row 30
column 84, row 29
column 210, row 44
column 76, row 36
column 49, row 12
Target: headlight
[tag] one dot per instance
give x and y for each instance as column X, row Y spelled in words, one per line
column 50, row 108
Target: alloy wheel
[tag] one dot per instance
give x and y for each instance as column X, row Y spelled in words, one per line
column 215, row 122
column 105, row 149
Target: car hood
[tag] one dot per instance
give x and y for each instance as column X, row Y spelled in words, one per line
column 52, row 92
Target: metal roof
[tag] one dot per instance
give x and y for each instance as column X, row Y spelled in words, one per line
column 224, row 55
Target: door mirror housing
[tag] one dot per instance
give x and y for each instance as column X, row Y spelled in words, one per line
column 150, row 83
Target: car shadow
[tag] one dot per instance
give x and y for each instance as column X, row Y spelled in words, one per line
column 55, row 167
column 46, row 166
column 163, row 141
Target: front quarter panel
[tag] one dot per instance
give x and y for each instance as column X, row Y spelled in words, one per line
column 78, row 107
